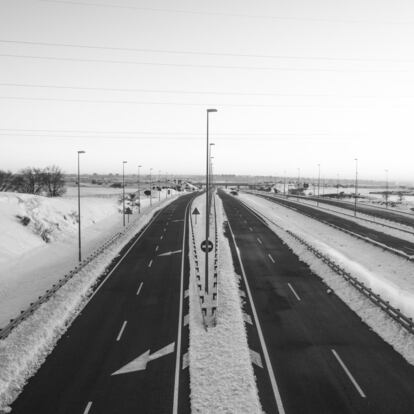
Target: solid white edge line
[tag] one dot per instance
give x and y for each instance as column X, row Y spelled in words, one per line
column 271, row 258
column 88, row 407
column 180, row 317
column 294, row 291
column 358, row 388
column 121, row 331
column 140, row 287
column 275, row 388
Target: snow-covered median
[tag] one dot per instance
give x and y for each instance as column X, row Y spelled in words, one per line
column 221, row 373
column 26, row 348
column 386, row 274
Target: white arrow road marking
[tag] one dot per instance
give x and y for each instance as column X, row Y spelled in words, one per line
column 88, row 407
column 170, row 253
column 256, row 358
column 358, row 388
column 140, row 363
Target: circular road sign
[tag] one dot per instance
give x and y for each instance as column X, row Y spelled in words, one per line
column 209, row 246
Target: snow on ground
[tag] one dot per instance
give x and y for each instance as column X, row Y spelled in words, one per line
column 365, row 220
column 34, row 256
column 28, row 345
column 386, row 274
column 221, row 373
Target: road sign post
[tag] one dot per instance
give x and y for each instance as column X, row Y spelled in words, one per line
column 195, row 213
column 207, row 247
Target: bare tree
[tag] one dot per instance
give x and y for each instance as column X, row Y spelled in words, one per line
column 53, row 181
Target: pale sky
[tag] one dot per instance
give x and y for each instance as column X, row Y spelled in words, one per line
column 295, row 82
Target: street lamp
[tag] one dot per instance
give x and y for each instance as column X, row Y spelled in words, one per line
column 207, row 200
column 139, row 190
column 356, row 186
column 123, row 192
column 386, row 191
column 79, row 210
column 150, row 187
column 319, row 183
column 211, row 164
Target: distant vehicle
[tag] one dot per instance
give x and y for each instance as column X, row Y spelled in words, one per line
column 233, row 192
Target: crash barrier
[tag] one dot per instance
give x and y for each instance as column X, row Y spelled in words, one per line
column 351, row 233
column 24, row 314
column 405, row 321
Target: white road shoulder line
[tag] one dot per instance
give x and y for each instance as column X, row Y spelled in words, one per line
column 269, row 367
column 293, row 291
column 271, row 258
column 88, row 407
column 341, row 363
column 121, row 331
column 140, row 287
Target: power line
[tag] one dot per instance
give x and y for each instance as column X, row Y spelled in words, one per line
column 198, row 53
column 222, row 14
column 200, row 66
column 186, row 92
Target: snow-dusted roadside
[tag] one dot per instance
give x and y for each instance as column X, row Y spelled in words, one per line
column 330, row 241
column 221, row 373
column 28, row 345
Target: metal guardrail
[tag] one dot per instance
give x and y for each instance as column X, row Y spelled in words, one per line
column 55, row 287
column 351, row 233
column 405, row 321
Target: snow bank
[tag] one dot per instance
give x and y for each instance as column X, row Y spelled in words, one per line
column 221, row 373
column 363, row 261
column 28, row 345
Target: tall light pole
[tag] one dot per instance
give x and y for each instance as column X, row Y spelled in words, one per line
column 386, row 190
column 207, row 218
column 356, row 186
column 123, row 192
column 319, row 182
column 150, row 186
column 211, row 164
column 79, row 209
column 139, row 190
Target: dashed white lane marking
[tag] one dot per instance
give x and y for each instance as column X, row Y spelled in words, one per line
column 250, row 229
column 358, row 388
column 259, row 241
column 165, row 229
column 186, row 360
column 121, row 331
column 156, row 249
column 88, row 407
column 256, row 358
column 293, row 291
column 140, row 287
column 150, row 263
column 271, row 258
column 161, row 237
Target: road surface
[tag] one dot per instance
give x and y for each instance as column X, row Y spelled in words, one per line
column 135, row 317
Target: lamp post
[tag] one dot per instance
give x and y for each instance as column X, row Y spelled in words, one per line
column 139, row 190
column 150, row 186
column 207, row 200
column 386, row 190
column 211, row 164
column 79, row 210
column 123, row 192
column 356, row 186
column 319, row 183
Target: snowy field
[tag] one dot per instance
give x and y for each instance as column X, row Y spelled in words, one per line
column 38, row 242
column 386, row 274
column 221, row 373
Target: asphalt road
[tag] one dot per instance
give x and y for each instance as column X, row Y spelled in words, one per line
column 391, row 241
column 387, row 214
column 324, row 358
column 137, row 312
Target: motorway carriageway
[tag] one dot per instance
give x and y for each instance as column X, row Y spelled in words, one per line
column 386, row 214
column 124, row 352
column 323, row 358
column 377, row 236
